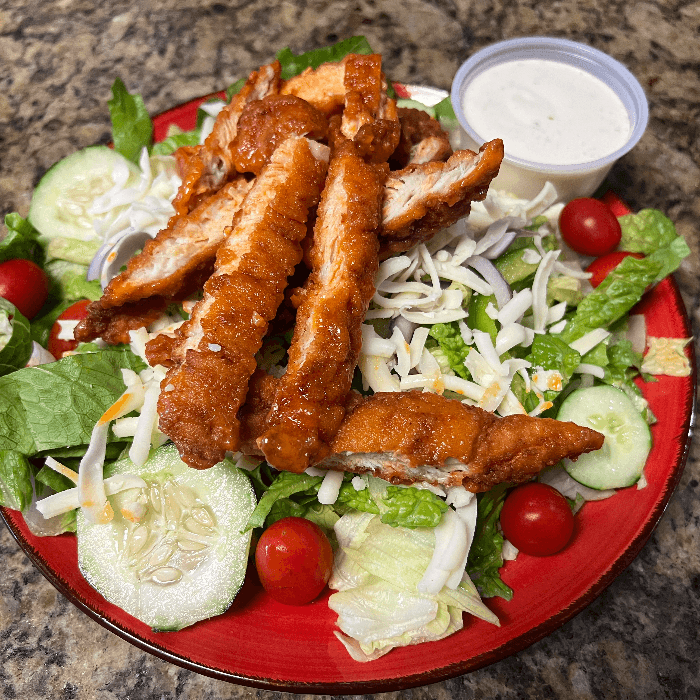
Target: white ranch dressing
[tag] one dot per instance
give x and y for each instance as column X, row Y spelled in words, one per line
column 546, row 112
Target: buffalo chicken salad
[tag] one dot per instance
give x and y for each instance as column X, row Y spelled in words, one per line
column 311, row 320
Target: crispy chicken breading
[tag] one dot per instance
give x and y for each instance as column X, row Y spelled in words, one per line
column 309, row 405
column 265, row 123
column 323, row 87
column 422, row 139
column 174, row 263
column 423, row 198
column 211, row 165
column 370, row 118
column 214, row 355
column 418, row 436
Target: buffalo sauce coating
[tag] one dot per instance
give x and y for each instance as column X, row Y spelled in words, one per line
column 265, row 123
column 309, row 404
column 413, row 429
column 215, row 353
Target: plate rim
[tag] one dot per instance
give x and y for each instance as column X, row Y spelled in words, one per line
column 442, row 673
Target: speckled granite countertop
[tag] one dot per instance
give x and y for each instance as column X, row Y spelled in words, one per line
column 639, row 639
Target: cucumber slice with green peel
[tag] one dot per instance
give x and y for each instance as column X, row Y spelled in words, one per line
column 621, row 460
column 184, row 559
column 61, row 200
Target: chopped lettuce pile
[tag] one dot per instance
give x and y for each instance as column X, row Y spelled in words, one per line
column 510, row 327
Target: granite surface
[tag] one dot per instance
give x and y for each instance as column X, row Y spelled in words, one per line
column 58, row 58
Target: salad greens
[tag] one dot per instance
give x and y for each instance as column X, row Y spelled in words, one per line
column 385, row 533
column 292, row 494
column 15, row 338
column 132, row 128
column 293, row 65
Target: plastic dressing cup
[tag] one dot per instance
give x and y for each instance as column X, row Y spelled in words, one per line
column 526, row 177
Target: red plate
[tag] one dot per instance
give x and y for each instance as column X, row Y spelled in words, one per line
column 261, row 643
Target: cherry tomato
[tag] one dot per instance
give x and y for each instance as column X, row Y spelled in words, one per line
column 602, row 265
column 537, row 519
column 58, row 347
column 294, row 560
column 589, row 227
column 25, row 284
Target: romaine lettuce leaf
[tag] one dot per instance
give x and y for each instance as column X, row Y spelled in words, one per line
column 57, row 405
column 21, row 241
column 485, row 555
column 293, row 65
column 646, row 231
column 15, row 338
column 16, row 489
column 623, row 288
column 132, row 128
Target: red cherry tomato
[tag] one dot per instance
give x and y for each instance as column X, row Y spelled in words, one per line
column 58, row 347
column 25, row 284
column 602, row 265
column 589, row 227
column 537, row 519
column 294, row 560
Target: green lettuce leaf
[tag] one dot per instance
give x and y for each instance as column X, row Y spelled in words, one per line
column 623, row 288
column 646, row 231
column 549, row 352
column 69, row 283
column 485, row 555
column 170, row 144
column 57, row 405
column 454, row 349
column 21, row 241
column 15, row 338
column 52, row 479
column 286, row 484
column 16, row 489
column 234, row 89
column 132, row 128
column 293, row 65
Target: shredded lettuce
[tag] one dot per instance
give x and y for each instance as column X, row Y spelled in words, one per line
column 376, row 574
column 296, row 495
column 169, row 145
column 15, row 338
column 549, row 352
column 132, row 128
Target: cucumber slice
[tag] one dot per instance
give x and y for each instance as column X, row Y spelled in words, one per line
column 185, row 558
column 60, row 203
column 621, row 460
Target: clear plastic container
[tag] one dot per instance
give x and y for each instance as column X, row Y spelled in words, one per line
column 525, row 178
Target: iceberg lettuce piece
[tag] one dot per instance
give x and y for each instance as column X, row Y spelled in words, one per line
column 376, row 573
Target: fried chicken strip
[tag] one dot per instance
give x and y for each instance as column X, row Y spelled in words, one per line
column 211, row 165
column 422, row 139
column 214, row 356
column 323, row 87
column 265, row 123
column 418, row 436
column 309, row 405
column 171, row 264
column 424, row 198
